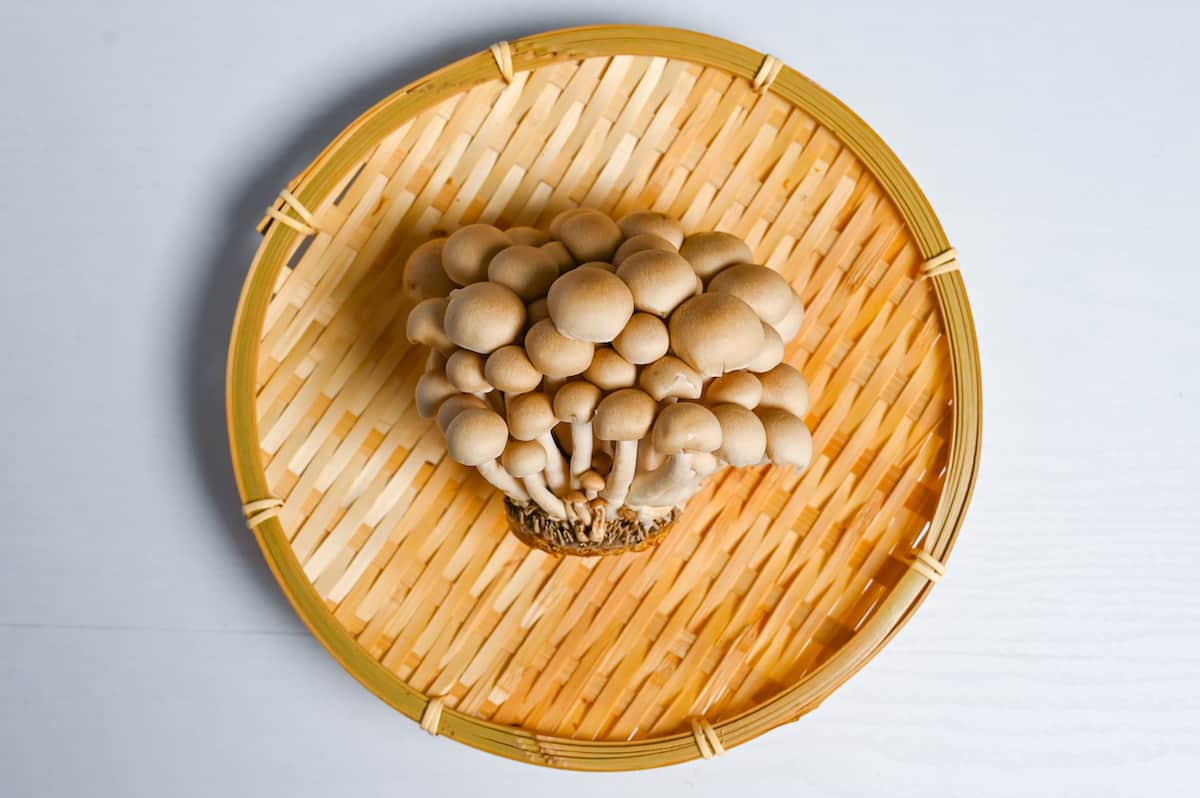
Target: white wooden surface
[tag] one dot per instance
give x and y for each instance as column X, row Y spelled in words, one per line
column 144, row 649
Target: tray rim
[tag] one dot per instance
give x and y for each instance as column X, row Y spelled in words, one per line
column 535, row 51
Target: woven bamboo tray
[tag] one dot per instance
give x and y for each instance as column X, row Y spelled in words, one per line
column 773, row 588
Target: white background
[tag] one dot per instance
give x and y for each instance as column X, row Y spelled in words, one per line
column 144, row 648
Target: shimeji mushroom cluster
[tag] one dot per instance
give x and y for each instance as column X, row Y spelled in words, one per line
column 598, row 372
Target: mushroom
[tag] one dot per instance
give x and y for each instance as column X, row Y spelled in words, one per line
column 736, row 387
column 771, row 352
column 590, row 304
column 588, row 234
column 785, row 388
column 658, row 224
column 526, row 460
column 592, row 483
column 743, row 438
column 610, row 371
column 432, row 389
column 643, row 340
column 709, row 253
column 426, row 325
column 435, row 361
column 423, row 273
column 763, row 289
column 788, row 441
column 659, row 281
column 681, row 430
column 537, row 310
column 476, row 437
column 671, row 377
column 510, row 370
column 451, row 407
column 790, row 324
column 640, row 243
column 554, row 354
column 715, row 333
column 601, row 264
column 530, row 418
column 575, row 404
column 527, row 235
column 468, row 251
column 556, row 223
column 559, row 253
column 464, row 369
column 527, row 270
column 484, row 316
column 623, row 417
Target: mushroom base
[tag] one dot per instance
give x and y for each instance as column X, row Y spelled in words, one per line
column 535, row 528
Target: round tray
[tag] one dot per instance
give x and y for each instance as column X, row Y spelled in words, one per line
column 773, row 588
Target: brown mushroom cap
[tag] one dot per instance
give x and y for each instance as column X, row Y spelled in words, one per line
column 530, row 416
column 454, row 405
column 709, row 253
column 427, row 324
column 527, row 270
column 468, row 251
column 432, row 389
column 591, row 481
column 659, row 281
column 686, row 427
column 554, row 354
column 763, row 289
column 610, row 371
column 784, row 387
column 771, row 352
column 624, row 415
column 590, row 304
column 476, row 436
column 715, row 333
column 789, row 325
column 537, row 310
column 736, row 387
column 465, row 371
column 669, row 376
column 658, row 224
column 527, row 235
column 559, row 253
column 523, row 458
column 575, row 402
column 510, row 370
column 423, row 273
column 743, row 438
column 557, row 222
column 788, row 441
column 589, row 235
column 643, row 340
column 484, row 316
column 641, row 243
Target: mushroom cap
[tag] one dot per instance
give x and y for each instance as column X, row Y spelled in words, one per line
column 715, row 333
column 454, row 405
column 643, row 340
column 610, row 371
column 468, row 251
column 432, row 389
column 658, row 224
column 537, row 310
column 484, row 316
column 510, row 370
column 465, row 371
column 559, row 253
column 530, row 416
column 476, row 436
column 590, row 304
column 589, row 235
column 624, row 415
column 788, row 441
column 670, row 376
column 709, row 253
column 640, row 243
column 601, row 264
column 554, row 354
column 423, row 273
column 592, row 481
column 784, row 387
column 575, row 402
column 523, row 458
column 771, row 352
column 736, row 387
column 659, row 281
column 527, row 235
column 763, row 289
column 686, row 427
column 556, row 223
column 789, row 325
column 526, row 269
column 743, row 437
column 427, row 324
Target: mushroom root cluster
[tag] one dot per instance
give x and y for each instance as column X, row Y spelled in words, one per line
column 598, row 372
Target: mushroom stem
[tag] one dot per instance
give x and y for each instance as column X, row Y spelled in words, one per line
column 676, row 471
column 545, row 499
column 581, row 450
column 503, row 481
column 556, row 465
column 616, row 488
